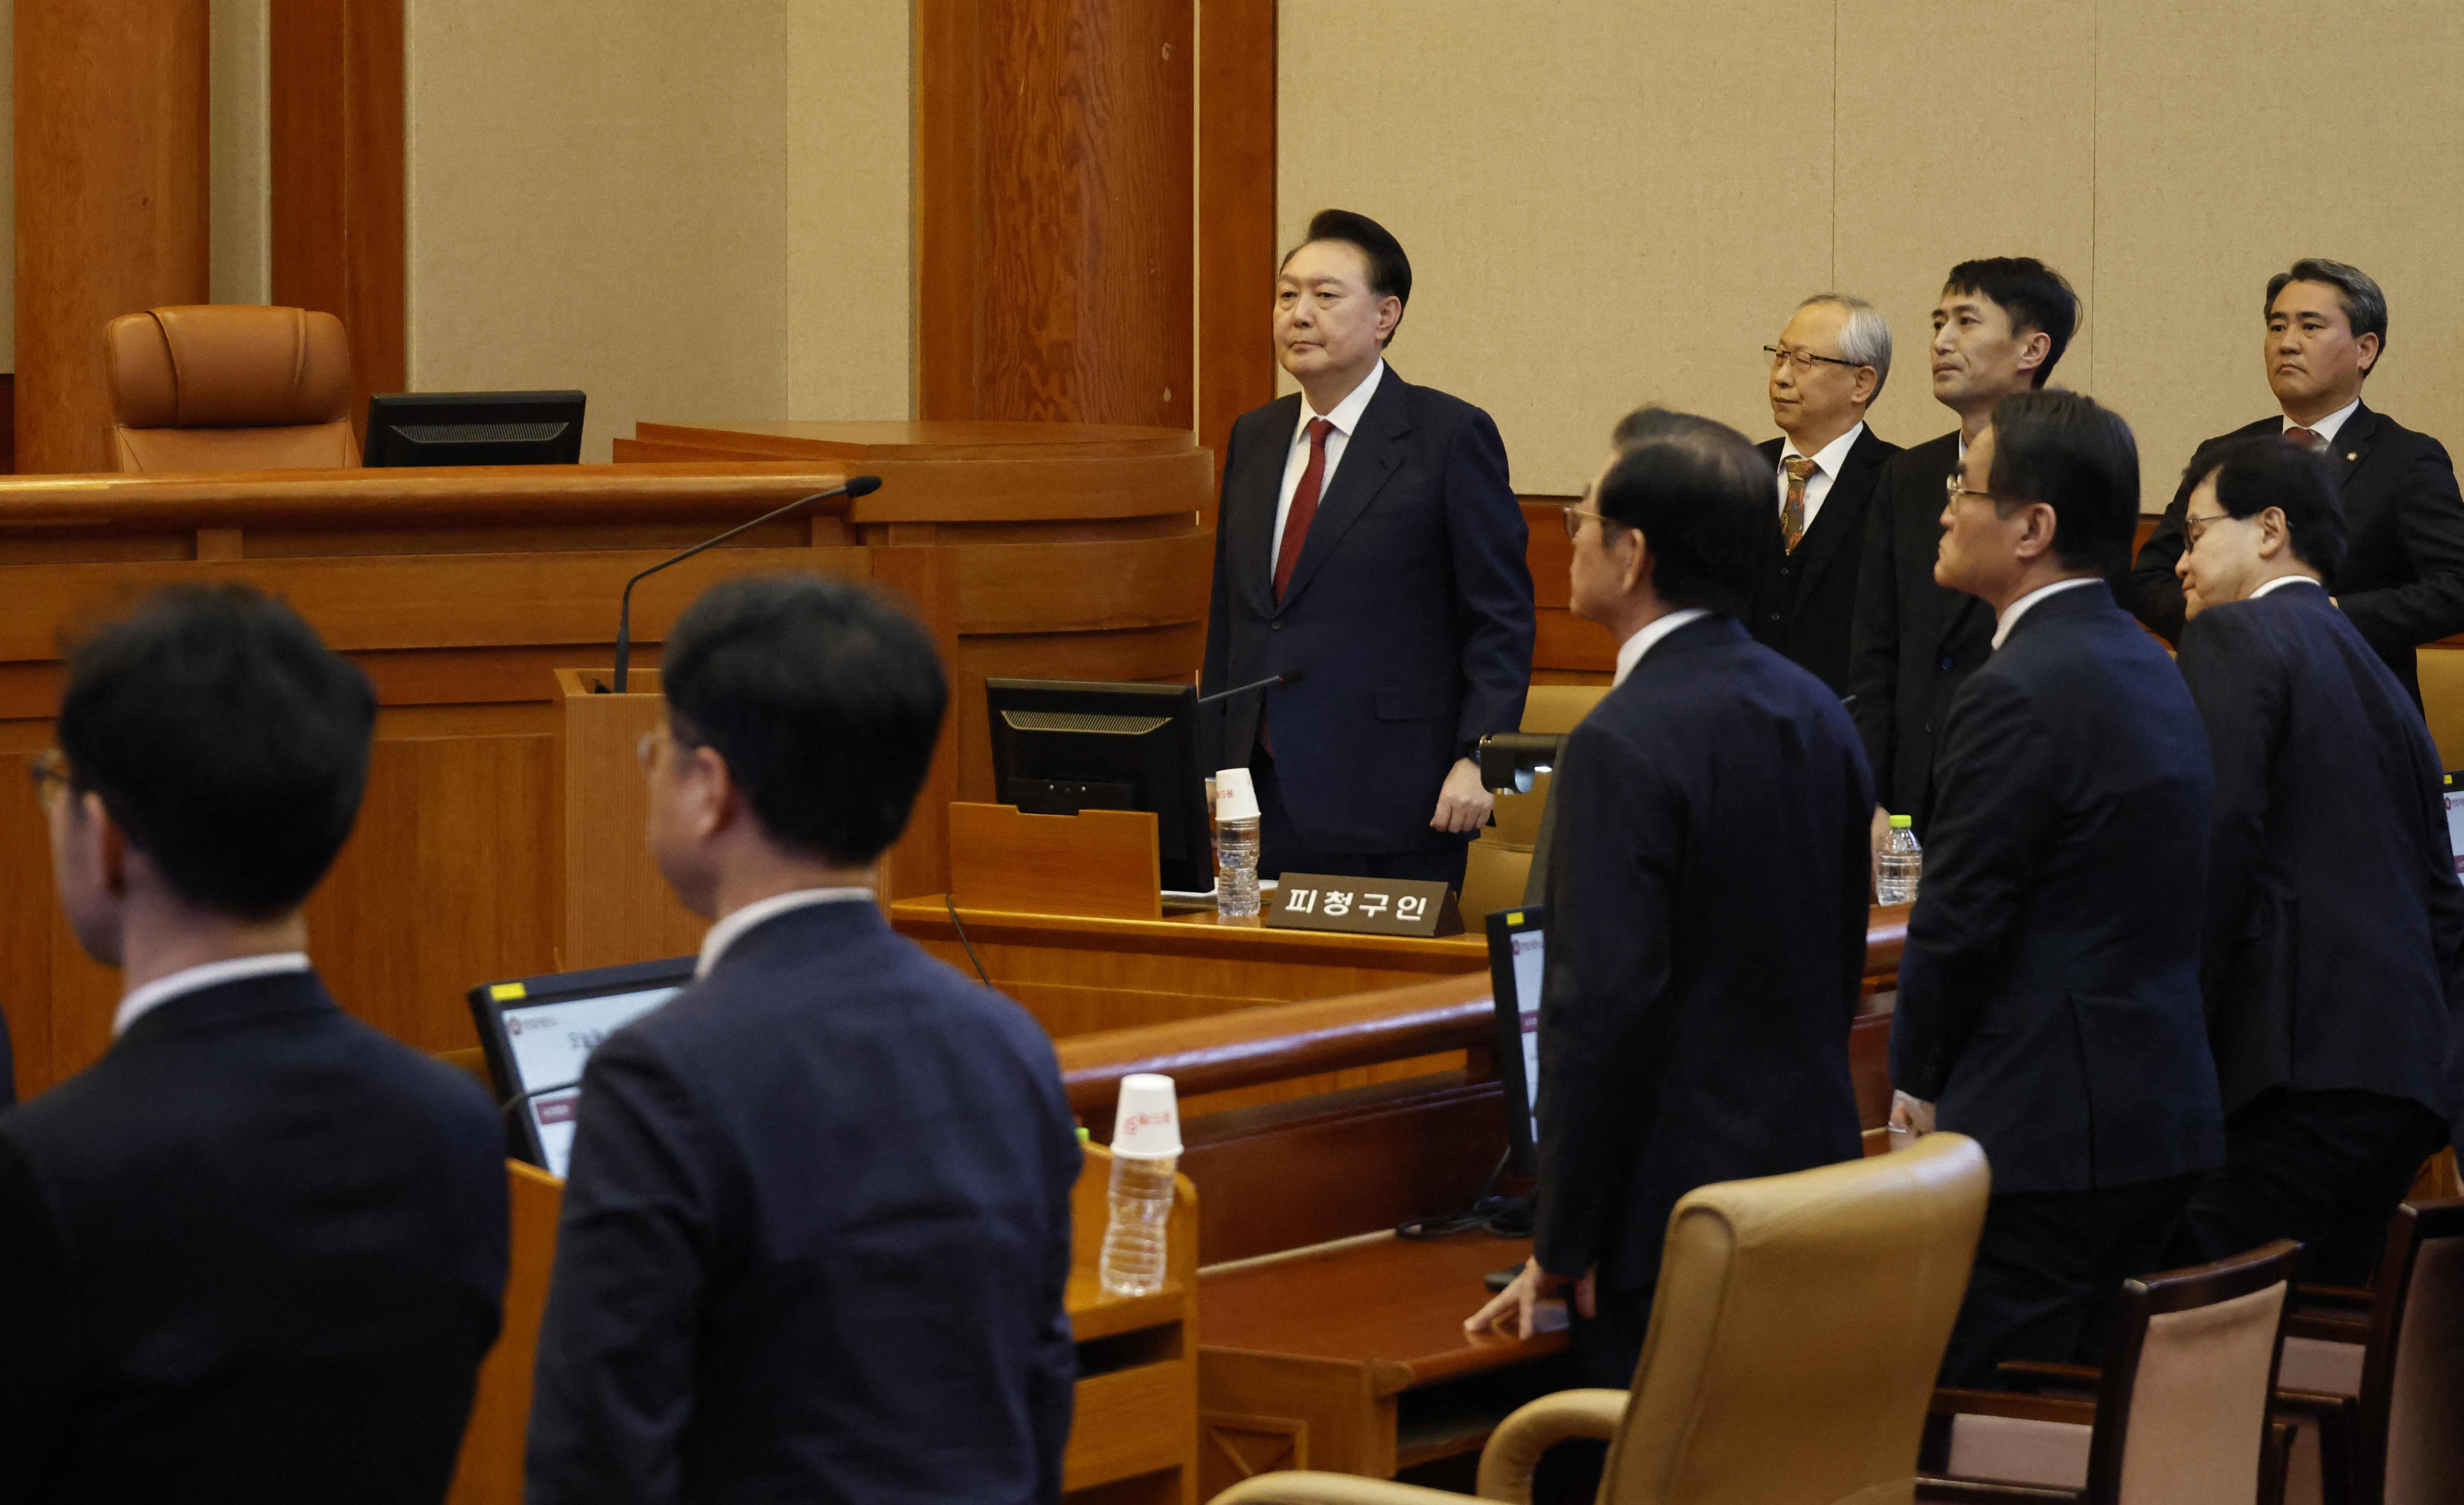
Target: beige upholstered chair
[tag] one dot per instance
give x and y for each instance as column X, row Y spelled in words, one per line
column 2181, row 1415
column 226, row 386
column 1794, row 1335
column 1499, row 863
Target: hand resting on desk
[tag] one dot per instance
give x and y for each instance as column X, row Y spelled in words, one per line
column 1516, row 1302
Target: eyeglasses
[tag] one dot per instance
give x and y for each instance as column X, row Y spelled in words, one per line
column 1954, row 491
column 1805, row 361
column 49, row 770
column 2195, row 529
column 1574, row 517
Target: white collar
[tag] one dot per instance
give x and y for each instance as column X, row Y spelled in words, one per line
column 1630, row 652
column 138, row 1002
column 2020, row 608
column 2326, row 428
column 1345, row 417
column 2282, row 580
column 731, row 927
column 1830, row 457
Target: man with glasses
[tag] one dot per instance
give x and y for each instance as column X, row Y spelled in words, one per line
column 2001, row 327
column 1827, row 367
column 257, row 1251
column 2403, row 577
column 2048, row 992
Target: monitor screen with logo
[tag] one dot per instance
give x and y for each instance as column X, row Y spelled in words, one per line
column 1514, row 972
column 539, row 1033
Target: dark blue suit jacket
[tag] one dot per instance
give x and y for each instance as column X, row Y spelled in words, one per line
column 1706, row 943
column 2335, row 926
column 815, row 1241
column 2049, row 993
column 1410, row 608
column 254, row 1254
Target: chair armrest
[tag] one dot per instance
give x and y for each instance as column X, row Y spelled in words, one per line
column 1305, row 1487
column 2003, row 1403
column 1515, row 1447
column 2339, row 1420
column 2275, row 1459
column 2328, row 1324
column 1937, row 1491
column 2355, row 1301
column 2035, row 1376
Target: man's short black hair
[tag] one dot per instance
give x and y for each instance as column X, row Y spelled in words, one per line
column 1702, row 495
column 2062, row 449
column 2031, row 294
column 2363, row 304
column 1389, row 271
column 228, row 742
column 2260, row 472
column 823, row 698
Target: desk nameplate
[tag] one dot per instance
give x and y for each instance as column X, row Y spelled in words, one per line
column 1363, row 905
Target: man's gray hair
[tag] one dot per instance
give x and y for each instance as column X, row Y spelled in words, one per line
column 2364, row 305
column 1865, row 339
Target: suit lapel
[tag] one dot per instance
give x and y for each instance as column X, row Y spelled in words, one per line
column 1249, row 501
column 1370, row 457
column 2352, row 444
column 1839, row 514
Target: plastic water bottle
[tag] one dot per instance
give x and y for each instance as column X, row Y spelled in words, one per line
column 1900, row 865
column 1236, row 846
column 1146, row 1150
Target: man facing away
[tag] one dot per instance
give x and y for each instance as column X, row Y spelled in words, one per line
column 1707, row 891
column 2403, row 577
column 2335, row 928
column 255, row 1251
column 817, row 1233
column 2049, row 993
column 1827, row 367
column 1370, row 547
column 2001, row 327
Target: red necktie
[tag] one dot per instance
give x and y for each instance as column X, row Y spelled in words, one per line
column 2309, row 439
column 1296, row 523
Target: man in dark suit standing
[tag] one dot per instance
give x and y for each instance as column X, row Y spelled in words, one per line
column 1829, row 366
column 2001, row 327
column 2334, row 958
column 2403, row 577
column 816, row 1238
column 1707, row 892
column 257, row 1251
column 1368, row 546
column 2049, row 994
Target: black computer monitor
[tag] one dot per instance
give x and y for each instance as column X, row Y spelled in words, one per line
column 2455, row 819
column 1064, row 746
column 1514, row 973
column 539, row 1031
column 473, row 428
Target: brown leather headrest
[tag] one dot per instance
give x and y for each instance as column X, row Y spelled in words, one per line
column 224, row 366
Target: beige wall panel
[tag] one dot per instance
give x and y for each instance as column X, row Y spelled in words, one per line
column 1965, row 130
column 1606, row 202
column 849, row 302
column 241, row 206
column 597, row 200
column 2234, row 135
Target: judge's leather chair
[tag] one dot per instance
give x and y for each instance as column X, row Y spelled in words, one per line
column 1499, row 863
column 1794, row 1335
column 222, row 386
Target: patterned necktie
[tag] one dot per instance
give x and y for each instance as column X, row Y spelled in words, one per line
column 1791, row 513
column 2309, row 439
column 1296, row 523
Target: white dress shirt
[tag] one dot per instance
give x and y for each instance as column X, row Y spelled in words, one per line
column 1630, row 652
column 138, row 1002
column 2282, row 580
column 2019, row 608
column 1345, row 418
column 731, row 927
column 2325, row 428
column 1827, row 462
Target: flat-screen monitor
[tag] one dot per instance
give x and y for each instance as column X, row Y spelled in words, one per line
column 473, row 428
column 1514, row 972
column 2456, row 820
column 538, row 1033
column 1064, row 746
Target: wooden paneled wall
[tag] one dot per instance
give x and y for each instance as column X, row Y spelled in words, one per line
column 1236, row 214
column 111, row 200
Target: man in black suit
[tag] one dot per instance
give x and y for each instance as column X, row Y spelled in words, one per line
column 816, row 1238
column 1829, row 366
column 257, row 1251
column 1369, row 546
column 1707, row 892
column 2334, row 957
column 2001, row 327
column 2049, row 993
column 2403, row 577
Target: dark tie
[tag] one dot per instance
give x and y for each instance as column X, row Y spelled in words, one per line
column 2309, row 439
column 1791, row 513
column 1296, row 523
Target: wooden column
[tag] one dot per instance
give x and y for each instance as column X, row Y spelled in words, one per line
column 1054, row 211
column 1235, row 215
column 112, row 167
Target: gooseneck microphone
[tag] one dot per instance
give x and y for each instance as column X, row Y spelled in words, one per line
column 855, row 486
column 1287, row 677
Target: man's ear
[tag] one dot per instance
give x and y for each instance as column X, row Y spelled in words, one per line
column 111, row 844
column 2274, row 533
column 2037, row 537
column 1861, row 387
column 2367, row 347
column 2034, row 350
column 717, row 802
column 1634, row 560
column 1389, row 317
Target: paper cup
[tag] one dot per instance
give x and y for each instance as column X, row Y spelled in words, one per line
column 1147, row 1123
column 1236, row 797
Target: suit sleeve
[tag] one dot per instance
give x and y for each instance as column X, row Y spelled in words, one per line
column 1993, row 804
column 1493, row 606
column 2429, row 519
column 1604, row 996
column 38, row 1360
column 1052, row 1388
column 1874, row 634
column 617, row 1348
column 2153, row 593
column 2242, row 706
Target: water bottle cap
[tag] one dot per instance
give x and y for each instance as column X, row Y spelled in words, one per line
column 1903, row 822
column 1146, row 1126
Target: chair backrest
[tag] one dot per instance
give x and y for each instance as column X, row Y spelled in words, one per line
column 2413, row 1381
column 2181, row 1412
column 1546, row 708
column 1796, row 1330
column 489, row 1468
column 218, row 386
